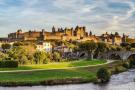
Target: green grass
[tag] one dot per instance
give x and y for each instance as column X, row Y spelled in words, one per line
column 59, row 65
column 36, row 77
column 44, row 75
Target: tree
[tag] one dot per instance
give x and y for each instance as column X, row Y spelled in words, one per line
column 119, row 48
column 18, row 44
column 125, row 44
column 56, row 56
column 3, row 56
column 31, row 59
column 101, row 47
column 41, row 57
column 133, row 45
column 112, row 48
column 22, row 59
column 18, row 53
column 89, row 46
column 6, row 46
column 128, row 48
column 103, row 75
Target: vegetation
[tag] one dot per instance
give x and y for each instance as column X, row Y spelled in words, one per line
column 57, row 57
column 41, row 57
column 6, row 46
column 101, row 47
column 59, row 65
column 57, row 76
column 89, row 46
column 103, row 75
column 28, row 58
column 8, row 64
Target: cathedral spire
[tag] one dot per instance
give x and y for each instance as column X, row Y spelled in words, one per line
column 53, row 29
column 90, row 34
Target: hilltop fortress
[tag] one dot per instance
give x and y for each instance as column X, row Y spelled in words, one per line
column 59, row 34
column 77, row 33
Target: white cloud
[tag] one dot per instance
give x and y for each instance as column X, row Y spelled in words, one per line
column 94, row 14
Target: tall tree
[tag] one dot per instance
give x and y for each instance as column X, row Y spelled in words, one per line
column 56, row 56
column 18, row 53
column 41, row 57
column 101, row 48
column 89, row 47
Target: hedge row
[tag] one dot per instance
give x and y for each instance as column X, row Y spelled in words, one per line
column 8, row 64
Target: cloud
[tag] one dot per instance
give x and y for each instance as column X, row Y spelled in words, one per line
column 97, row 15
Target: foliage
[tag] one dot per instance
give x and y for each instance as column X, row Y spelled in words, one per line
column 119, row 48
column 101, row 47
column 18, row 53
column 8, row 64
column 126, row 65
column 3, row 56
column 131, row 63
column 116, row 70
column 57, row 56
column 128, row 48
column 41, row 57
column 132, row 45
column 103, row 75
column 18, row 44
column 125, row 44
column 88, row 46
column 6, row 46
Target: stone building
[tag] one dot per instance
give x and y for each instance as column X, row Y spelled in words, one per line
column 76, row 33
column 114, row 39
column 44, row 46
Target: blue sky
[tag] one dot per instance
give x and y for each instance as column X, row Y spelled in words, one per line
column 97, row 15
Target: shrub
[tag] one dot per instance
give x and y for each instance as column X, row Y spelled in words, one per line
column 116, row 70
column 103, row 75
column 8, row 64
column 131, row 63
column 126, row 65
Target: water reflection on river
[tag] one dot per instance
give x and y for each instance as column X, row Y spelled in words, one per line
column 123, row 81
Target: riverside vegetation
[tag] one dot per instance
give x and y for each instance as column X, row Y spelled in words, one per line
column 28, row 58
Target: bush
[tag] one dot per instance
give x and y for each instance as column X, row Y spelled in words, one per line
column 103, row 75
column 116, row 70
column 131, row 63
column 8, row 64
column 126, row 65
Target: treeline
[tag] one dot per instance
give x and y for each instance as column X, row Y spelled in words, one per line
column 94, row 49
column 27, row 54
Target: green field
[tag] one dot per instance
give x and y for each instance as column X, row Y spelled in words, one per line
column 59, row 65
column 36, row 77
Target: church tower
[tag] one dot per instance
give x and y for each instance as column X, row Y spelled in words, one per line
column 90, row 34
column 124, row 38
column 53, row 29
column 43, row 35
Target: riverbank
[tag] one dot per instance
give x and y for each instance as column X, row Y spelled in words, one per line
column 117, row 82
column 54, row 77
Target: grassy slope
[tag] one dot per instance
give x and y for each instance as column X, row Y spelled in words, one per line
column 57, row 65
column 38, row 76
column 45, row 75
column 87, row 73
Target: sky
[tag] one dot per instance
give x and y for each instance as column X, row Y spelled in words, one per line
column 99, row 16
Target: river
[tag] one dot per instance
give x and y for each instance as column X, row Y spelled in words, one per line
column 122, row 81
